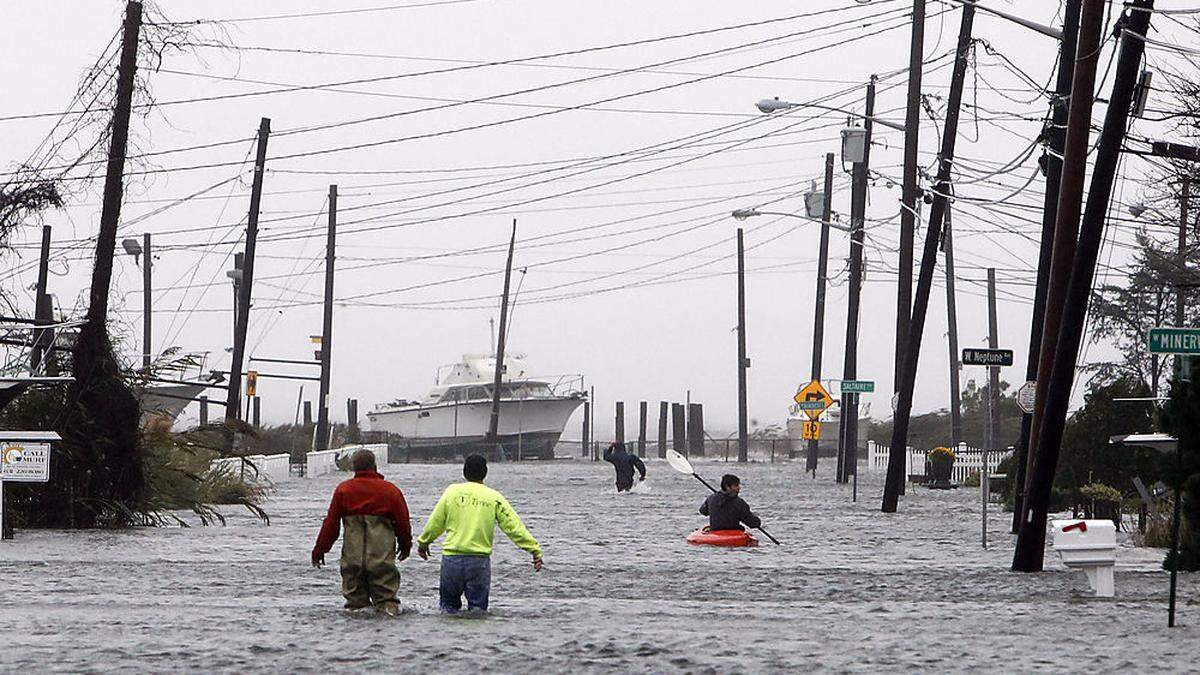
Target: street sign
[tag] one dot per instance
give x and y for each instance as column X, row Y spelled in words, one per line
column 858, row 386
column 315, row 339
column 1027, row 396
column 987, row 357
column 811, row 431
column 1174, row 340
column 813, row 393
column 25, row 462
column 251, row 382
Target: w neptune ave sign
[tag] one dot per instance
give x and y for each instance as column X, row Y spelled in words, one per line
column 1175, row 340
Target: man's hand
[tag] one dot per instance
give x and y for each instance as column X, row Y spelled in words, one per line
column 423, row 552
column 318, row 559
column 537, row 563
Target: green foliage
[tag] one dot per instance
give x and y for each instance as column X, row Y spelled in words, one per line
column 1100, row 492
column 933, row 429
column 1087, row 456
column 1180, row 417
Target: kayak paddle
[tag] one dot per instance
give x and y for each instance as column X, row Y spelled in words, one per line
column 682, row 465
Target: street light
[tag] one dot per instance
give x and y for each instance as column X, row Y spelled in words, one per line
column 743, row 214
column 770, row 105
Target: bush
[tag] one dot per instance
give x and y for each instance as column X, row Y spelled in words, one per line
column 941, row 454
column 972, row 479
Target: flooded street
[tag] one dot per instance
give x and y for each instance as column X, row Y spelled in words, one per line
column 851, row 589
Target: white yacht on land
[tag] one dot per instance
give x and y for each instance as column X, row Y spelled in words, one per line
column 453, row 419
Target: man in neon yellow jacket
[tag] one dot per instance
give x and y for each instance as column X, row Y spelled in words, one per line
column 468, row 513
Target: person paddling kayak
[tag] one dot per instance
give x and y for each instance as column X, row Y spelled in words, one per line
column 726, row 510
column 624, row 462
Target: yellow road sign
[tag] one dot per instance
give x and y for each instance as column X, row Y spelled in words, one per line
column 808, row 398
column 251, row 382
column 811, row 431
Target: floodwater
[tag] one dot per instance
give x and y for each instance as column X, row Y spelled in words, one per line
column 850, row 589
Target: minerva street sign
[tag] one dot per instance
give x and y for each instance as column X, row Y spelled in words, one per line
column 987, row 357
column 1174, row 340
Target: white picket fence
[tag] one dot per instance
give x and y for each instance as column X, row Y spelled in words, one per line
column 277, row 468
column 967, row 460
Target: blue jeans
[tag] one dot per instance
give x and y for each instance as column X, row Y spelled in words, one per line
column 469, row 575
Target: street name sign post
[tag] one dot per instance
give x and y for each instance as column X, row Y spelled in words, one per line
column 1168, row 340
column 975, row 356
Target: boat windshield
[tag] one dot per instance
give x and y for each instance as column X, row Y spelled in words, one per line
column 520, row 390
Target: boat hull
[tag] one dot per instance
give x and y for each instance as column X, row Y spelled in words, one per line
column 527, row 429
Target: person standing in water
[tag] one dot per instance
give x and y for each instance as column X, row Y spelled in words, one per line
column 375, row 518
column 624, row 462
column 468, row 513
column 726, row 510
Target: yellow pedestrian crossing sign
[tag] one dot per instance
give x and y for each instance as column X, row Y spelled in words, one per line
column 811, row 431
column 813, row 399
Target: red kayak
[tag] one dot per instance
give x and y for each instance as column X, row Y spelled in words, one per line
column 705, row 536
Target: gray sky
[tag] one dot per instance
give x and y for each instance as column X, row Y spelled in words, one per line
column 629, row 276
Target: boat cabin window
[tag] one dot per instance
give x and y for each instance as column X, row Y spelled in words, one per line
column 477, row 393
column 453, row 395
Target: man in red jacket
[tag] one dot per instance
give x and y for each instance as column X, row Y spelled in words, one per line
column 375, row 517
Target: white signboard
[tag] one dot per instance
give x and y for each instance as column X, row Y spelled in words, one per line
column 1027, row 397
column 25, row 462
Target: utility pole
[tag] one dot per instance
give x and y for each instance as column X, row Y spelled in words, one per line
column 246, row 282
column 641, row 442
column 110, row 213
column 952, row 335
column 858, row 215
column 42, row 312
column 322, row 442
column 810, row 460
column 896, row 459
column 1055, row 134
column 492, row 439
column 743, row 362
column 1031, row 538
column 989, row 436
column 146, row 296
column 1066, row 214
column 910, row 191
column 1181, row 264
column 619, row 424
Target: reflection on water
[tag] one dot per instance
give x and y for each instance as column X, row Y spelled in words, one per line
column 621, row 590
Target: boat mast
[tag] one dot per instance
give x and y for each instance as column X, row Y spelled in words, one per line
column 492, row 438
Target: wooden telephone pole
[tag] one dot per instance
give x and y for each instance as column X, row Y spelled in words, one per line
column 493, row 438
column 246, row 283
column 322, row 439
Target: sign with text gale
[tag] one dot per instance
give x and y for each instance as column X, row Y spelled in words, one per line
column 25, row 462
column 987, row 357
column 1167, row 340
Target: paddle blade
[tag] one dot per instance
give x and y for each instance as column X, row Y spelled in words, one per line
column 679, row 462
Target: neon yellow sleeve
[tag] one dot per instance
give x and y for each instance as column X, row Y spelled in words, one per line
column 436, row 525
column 510, row 523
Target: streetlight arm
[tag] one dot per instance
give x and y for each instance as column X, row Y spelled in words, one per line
column 1048, row 31
column 742, row 214
column 770, row 105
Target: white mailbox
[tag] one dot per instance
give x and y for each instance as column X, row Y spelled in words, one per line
column 1090, row 545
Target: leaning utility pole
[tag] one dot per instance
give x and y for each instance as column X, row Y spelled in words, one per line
column 1055, row 135
column 41, row 309
column 743, row 362
column 810, row 460
column 952, row 334
column 322, row 440
column 1066, row 215
column 246, row 282
column 1031, row 538
column 895, row 473
column 110, row 213
column 910, row 191
column 858, row 215
column 493, row 438
column 146, row 295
